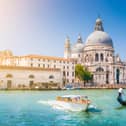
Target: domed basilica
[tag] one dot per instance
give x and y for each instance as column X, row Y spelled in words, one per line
column 97, row 54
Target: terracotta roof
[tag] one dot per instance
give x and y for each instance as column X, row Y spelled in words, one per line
column 41, row 57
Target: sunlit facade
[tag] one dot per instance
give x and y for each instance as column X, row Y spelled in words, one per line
column 46, row 71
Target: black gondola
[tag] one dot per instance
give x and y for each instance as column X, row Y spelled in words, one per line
column 120, row 100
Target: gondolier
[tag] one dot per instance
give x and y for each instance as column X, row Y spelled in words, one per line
column 120, row 96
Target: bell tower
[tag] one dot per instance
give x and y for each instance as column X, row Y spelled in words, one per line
column 67, row 48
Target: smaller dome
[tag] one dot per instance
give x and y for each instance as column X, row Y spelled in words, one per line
column 78, row 47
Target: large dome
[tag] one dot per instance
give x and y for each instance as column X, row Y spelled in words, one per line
column 78, row 47
column 99, row 38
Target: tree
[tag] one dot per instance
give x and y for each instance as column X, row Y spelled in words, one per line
column 79, row 71
column 82, row 73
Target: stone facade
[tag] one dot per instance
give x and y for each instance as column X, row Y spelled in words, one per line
column 24, row 77
column 41, row 67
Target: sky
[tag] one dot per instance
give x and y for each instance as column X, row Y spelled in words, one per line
column 41, row 26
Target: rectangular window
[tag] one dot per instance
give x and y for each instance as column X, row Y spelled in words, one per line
column 67, row 80
column 31, row 83
column 72, row 73
column 31, row 65
column 73, row 67
column 72, row 80
column 43, row 65
column 67, row 73
column 64, row 73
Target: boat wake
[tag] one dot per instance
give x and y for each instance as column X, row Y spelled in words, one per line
column 59, row 105
column 53, row 103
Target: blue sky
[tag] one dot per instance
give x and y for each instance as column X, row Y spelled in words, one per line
column 41, row 26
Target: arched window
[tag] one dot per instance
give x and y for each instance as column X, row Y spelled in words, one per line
column 86, row 58
column 51, row 77
column 91, row 58
column 99, row 69
column 96, row 57
column 64, row 73
column 117, row 76
column 102, row 57
column 31, row 76
column 9, row 76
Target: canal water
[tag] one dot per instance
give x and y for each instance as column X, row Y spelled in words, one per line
column 23, row 108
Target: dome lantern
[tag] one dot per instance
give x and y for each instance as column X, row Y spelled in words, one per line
column 79, row 40
column 98, row 25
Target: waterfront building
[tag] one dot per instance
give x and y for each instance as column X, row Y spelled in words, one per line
column 32, row 71
column 36, row 71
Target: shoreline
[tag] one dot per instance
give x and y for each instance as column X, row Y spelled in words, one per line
column 111, row 86
column 58, row 89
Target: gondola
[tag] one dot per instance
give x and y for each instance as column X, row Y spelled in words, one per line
column 121, row 101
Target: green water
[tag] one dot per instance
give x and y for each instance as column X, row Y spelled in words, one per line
column 21, row 108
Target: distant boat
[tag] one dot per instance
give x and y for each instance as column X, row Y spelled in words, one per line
column 69, row 87
column 73, row 102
